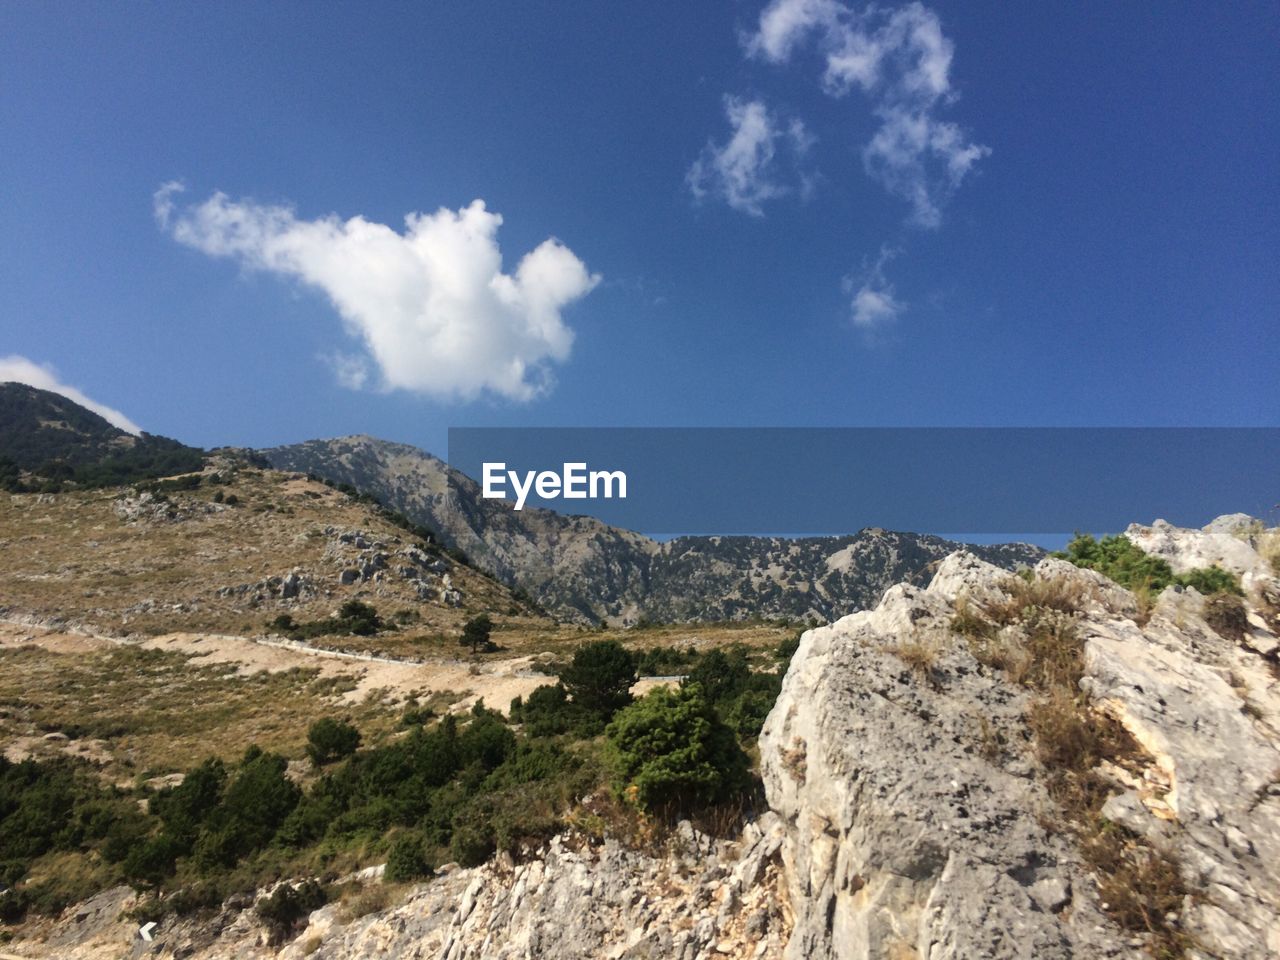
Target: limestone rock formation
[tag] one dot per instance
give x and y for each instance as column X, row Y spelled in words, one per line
column 919, row 818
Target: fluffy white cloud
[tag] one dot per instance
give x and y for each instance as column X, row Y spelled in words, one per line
column 744, row 170
column 21, row 370
column 901, row 60
column 874, row 304
column 873, row 308
column 432, row 306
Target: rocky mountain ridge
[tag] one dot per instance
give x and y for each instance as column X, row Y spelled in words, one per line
column 581, row 569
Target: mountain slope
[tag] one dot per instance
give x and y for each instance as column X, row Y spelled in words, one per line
column 56, row 439
column 583, row 569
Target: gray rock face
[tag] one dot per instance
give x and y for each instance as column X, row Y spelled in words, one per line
column 912, row 831
column 572, row 900
column 901, row 834
column 581, row 569
column 576, row 902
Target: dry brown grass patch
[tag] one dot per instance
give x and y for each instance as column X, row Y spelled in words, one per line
column 921, row 656
column 1225, row 614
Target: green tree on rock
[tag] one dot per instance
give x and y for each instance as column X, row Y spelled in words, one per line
column 671, row 752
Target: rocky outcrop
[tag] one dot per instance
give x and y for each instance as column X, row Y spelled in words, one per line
column 918, row 819
column 575, row 899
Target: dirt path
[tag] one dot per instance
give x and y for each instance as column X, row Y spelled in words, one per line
column 497, row 681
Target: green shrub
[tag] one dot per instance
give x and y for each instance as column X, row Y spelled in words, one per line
column 472, row 845
column 255, row 804
column 285, row 909
column 666, row 661
column 1119, row 559
column 549, row 712
column 1211, row 580
column 600, row 677
column 407, row 860
column 329, row 740
column 1123, row 561
column 671, row 751
column 787, row 648
column 722, row 676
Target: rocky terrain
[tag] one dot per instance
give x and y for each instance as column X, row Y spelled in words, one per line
column 226, row 550
column 578, row 898
column 581, row 569
column 986, row 767
column 918, row 789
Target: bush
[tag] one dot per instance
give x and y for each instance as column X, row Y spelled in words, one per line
column 1121, row 560
column 407, row 860
column 353, row 618
column 548, row 712
column 284, row 910
column 329, row 740
column 1211, row 580
column 670, row 751
column 722, row 676
column 666, row 661
column 254, row 806
column 358, row 618
column 472, row 845
column 600, row 677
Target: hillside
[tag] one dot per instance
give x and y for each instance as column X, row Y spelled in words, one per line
column 54, row 440
column 227, row 550
column 985, row 768
column 583, row 569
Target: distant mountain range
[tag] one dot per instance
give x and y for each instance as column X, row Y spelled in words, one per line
column 582, row 569
column 576, row 567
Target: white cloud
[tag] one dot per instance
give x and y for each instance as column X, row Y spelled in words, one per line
column 901, row 60
column 874, row 308
column 743, row 171
column 875, row 303
column 21, row 370
column 351, row 371
column 432, row 306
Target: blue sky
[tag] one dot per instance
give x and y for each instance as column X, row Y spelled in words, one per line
column 1087, row 231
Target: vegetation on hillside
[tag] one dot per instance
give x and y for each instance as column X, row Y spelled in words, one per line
column 51, row 443
column 1121, row 560
column 457, row 788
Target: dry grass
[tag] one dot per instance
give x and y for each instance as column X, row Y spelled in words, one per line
column 358, row 899
column 155, row 712
column 1225, row 614
column 921, row 656
column 1060, row 594
column 1033, row 636
column 72, row 556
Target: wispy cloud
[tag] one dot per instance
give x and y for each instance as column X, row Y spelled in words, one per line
column 874, row 304
column 901, row 60
column 21, row 370
column 745, row 170
column 432, row 306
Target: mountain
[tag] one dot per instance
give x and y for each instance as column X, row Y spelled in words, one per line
column 53, row 439
column 582, row 569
